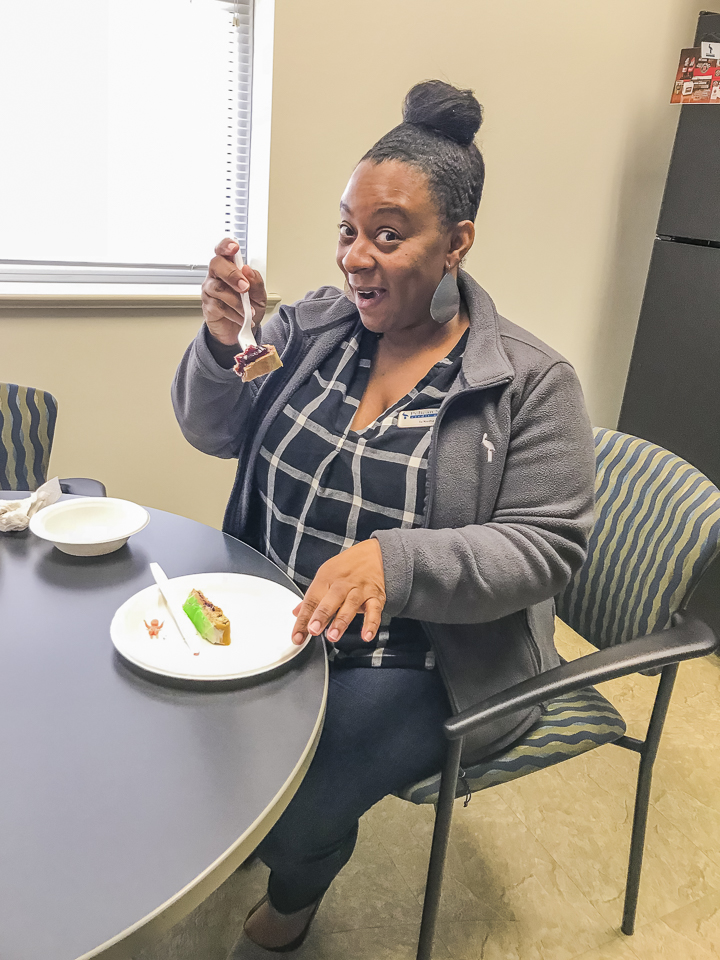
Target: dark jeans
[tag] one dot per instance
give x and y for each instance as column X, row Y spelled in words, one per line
column 383, row 730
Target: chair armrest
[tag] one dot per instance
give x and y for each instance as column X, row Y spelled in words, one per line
column 82, row 487
column 687, row 638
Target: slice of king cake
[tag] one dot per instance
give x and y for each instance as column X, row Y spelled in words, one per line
column 256, row 361
column 209, row 620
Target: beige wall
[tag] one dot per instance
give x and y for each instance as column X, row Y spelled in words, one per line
column 111, row 372
column 577, row 139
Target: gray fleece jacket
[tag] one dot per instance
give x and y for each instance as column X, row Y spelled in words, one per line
column 510, row 489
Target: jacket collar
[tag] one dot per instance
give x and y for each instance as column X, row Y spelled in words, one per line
column 316, row 314
column 485, row 362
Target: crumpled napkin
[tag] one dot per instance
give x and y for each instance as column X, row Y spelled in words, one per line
column 15, row 514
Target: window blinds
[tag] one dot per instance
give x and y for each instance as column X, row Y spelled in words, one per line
column 126, row 136
column 239, row 122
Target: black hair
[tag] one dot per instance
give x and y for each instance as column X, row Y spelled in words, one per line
column 436, row 135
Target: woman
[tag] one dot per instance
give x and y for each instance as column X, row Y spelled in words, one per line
column 421, row 466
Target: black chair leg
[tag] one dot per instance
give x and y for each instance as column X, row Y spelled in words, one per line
column 441, row 835
column 642, row 797
column 637, row 846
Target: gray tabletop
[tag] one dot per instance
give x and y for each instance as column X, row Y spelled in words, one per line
column 125, row 801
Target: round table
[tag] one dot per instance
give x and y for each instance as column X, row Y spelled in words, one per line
column 125, row 801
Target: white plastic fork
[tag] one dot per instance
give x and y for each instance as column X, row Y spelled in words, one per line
column 182, row 621
column 245, row 334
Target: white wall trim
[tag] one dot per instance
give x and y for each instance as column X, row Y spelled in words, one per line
column 63, row 297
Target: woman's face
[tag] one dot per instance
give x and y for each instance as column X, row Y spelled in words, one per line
column 393, row 247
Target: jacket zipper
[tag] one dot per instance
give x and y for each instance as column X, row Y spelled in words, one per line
column 261, row 405
column 432, row 461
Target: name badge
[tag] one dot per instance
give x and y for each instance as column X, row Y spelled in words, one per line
column 417, row 418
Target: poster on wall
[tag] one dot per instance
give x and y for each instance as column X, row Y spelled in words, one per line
column 698, row 75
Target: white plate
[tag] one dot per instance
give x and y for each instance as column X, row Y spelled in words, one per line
column 261, row 622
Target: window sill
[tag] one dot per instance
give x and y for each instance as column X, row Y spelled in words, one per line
column 119, row 296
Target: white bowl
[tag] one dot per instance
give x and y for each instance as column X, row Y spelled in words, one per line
column 89, row 526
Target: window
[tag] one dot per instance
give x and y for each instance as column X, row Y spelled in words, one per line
column 126, row 132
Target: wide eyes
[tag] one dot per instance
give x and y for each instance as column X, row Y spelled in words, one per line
column 388, row 236
column 385, row 235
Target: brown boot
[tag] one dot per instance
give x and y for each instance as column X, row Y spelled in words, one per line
column 278, row 932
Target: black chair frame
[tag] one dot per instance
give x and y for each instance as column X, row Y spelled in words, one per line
column 83, row 487
column 686, row 639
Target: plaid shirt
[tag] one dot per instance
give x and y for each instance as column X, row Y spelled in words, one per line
column 324, row 487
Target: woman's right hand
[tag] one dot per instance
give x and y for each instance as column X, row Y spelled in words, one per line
column 222, row 294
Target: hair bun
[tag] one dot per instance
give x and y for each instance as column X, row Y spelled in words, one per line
column 454, row 113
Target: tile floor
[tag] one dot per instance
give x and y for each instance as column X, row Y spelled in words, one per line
column 536, row 867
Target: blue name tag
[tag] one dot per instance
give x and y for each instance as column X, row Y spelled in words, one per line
column 417, row 418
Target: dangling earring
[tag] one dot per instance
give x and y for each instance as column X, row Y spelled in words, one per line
column 446, row 300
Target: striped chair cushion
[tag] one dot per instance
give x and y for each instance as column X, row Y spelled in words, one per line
column 657, row 529
column 27, row 427
column 569, row 725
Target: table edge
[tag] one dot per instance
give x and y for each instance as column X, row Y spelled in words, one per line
column 145, row 932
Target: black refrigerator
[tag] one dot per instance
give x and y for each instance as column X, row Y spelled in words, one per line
column 672, row 394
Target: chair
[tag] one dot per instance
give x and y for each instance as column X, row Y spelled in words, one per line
column 657, row 530
column 27, row 428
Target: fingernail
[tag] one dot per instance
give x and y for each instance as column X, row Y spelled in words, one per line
column 334, row 634
column 315, row 627
column 367, row 636
column 298, row 638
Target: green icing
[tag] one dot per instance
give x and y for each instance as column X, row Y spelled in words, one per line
column 200, row 621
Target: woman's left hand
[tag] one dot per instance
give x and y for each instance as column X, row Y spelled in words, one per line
column 345, row 585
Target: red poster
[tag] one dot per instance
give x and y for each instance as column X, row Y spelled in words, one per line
column 697, row 79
